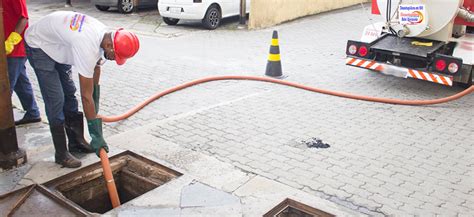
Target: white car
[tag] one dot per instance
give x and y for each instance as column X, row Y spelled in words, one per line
column 210, row 12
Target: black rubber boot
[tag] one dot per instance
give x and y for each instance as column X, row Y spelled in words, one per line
column 62, row 155
column 75, row 134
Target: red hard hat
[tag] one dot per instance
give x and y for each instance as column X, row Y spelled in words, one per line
column 126, row 45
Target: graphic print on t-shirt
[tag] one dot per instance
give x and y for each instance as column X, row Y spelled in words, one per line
column 76, row 22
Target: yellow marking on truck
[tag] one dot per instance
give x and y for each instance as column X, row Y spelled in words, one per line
column 419, row 43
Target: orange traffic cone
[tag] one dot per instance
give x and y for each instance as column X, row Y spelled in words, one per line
column 274, row 61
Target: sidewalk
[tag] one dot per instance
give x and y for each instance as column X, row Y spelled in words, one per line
column 208, row 186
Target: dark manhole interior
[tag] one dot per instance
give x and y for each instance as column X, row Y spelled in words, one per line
column 292, row 208
column 133, row 175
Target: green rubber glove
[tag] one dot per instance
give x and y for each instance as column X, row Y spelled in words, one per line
column 95, row 130
column 96, row 97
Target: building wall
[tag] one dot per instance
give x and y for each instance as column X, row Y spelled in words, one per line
column 265, row 13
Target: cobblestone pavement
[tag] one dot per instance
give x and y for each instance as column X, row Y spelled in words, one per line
column 382, row 159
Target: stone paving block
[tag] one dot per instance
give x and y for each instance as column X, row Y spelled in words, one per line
column 303, row 174
column 259, row 165
column 400, row 191
column 330, row 181
column 243, row 167
column 377, row 189
column 364, row 202
column 356, row 191
column 326, row 172
column 390, row 211
column 299, row 164
column 385, row 200
column 296, row 157
column 312, row 184
column 350, row 181
column 368, row 180
column 407, row 208
column 345, row 172
column 400, row 169
column 280, row 164
column 256, row 157
column 392, row 181
column 289, row 182
column 332, row 191
column 318, row 162
column 453, row 197
column 222, row 152
column 239, row 158
column 363, row 174
column 451, row 209
column 269, row 175
column 258, row 151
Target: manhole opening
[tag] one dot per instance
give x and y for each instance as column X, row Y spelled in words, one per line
column 133, row 175
column 291, row 208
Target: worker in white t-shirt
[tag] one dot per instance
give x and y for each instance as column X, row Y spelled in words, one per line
column 57, row 45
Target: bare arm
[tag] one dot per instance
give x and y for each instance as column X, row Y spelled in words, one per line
column 21, row 25
column 96, row 74
column 87, row 88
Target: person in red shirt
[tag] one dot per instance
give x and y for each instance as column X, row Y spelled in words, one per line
column 15, row 21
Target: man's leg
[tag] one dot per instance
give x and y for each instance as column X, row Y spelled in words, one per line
column 74, row 118
column 53, row 96
column 70, row 101
column 13, row 72
column 25, row 94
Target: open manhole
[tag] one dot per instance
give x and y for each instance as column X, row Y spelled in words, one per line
column 134, row 175
column 291, row 208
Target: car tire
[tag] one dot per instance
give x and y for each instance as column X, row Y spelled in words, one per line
column 102, row 8
column 170, row 21
column 125, row 6
column 213, row 17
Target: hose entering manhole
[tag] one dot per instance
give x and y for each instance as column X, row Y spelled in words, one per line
column 287, row 83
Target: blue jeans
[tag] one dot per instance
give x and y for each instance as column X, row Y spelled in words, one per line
column 56, row 85
column 20, row 83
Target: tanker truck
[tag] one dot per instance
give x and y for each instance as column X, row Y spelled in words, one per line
column 429, row 40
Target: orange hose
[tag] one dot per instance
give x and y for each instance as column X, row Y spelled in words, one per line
column 109, row 179
column 287, row 83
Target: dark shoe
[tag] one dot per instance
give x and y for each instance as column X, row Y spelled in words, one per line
column 26, row 120
column 62, row 156
column 75, row 134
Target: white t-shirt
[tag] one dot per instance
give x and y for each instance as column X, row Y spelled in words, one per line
column 69, row 38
